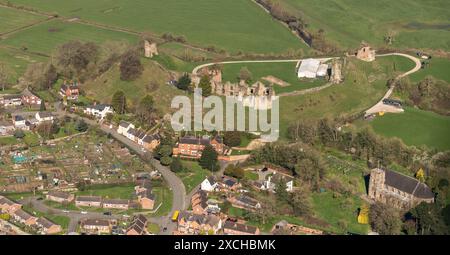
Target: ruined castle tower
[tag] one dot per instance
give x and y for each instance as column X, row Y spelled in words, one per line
column 376, row 182
column 150, row 49
column 336, row 72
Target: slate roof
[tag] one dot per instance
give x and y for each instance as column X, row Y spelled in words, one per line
column 138, row 224
column 116, row 201
column 124, row 124
column 22, row 214
column 239, row 227
column 18, row 118
column 45, row 114
column 407, row 184
column 45, row 223
column 194, row 140
column 89, row 199
column 59, row 194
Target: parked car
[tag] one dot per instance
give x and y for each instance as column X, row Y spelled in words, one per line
column 83, row 212
column 107, row 213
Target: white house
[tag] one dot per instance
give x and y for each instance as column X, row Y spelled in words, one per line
column 308, row 68
column 124, row 127
column 209, row 184
column 19, row 122
column 44, row 116
column 272, row 180
column 131, row 134
column 99, row 111
column 6, row 127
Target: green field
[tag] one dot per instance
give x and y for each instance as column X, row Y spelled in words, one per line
column 416, row 127
column 414, row 23
column 44, row 38
column 364, row 85
column 237, row 25
column 193, row 175
column 438, row 68
column 17, row 61
column 11, row 19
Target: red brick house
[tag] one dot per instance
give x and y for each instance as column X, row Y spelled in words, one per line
column 235, row 228
column 192, row 147
column 29, row 98
column 70, row 91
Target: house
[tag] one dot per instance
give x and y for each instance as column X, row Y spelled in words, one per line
column 59, row 196
column 8, row 206
column 140, row 135
column 308, row 68
column 192, row 147
column 44, row 116
column 272, row 180
column 131, row 134
column 6, row 128
column 11, row 100
column 150, row 142
column 20, row 122
column 98, row 226
column 189, row 223
column 229, row 184
column 138, row 226
column 124, row 127
column 24, row 217
column 121, row 204
column 235, row 228
column 146, row 199
column 29, row 98
column 99, row 110
column 88, row 201
column 47, row 227
column 244, row 202
column 199, row 202
column 398, row 190
column 209, row 184
column 70, row 91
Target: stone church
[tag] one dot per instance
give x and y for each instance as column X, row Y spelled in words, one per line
column 398, row 190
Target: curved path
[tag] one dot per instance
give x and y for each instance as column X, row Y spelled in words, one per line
column 380, row 106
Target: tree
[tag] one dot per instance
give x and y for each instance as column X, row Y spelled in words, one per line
column 3, row 75
column 232, row 138
column 420, row 175
column 42, row 108
column 130, row 66
column 45, row 130
column 76, row 55
column 164, row 151
column 176, row 165
column 81, row 125
column 145, row 111
column 245, row 74
column 234, row 171
column 119, row 102
column 384, row 219
column 363, row 216
column 19, row 134
column 50, row 77
column 184, row 82
column 300, row 202
column 209, row 158
column 429, row 219
column 205, row 85
column 166, row 160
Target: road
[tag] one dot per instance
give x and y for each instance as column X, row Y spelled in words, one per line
column 380, row 106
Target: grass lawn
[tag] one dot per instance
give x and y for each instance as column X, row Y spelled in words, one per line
column 333, row 210
column 438, row 68
column 11, row 19
column 16, row 62
column 251, row 175
column 63, row 221
column 44, row 38
column 193, row 175
column 415, row 127
column 153, row 228
column 70, row 207
column 202, row 22
column 283, row 71
column 413, row 23
column 239, row 152
column 31, row 139
column 8, row 140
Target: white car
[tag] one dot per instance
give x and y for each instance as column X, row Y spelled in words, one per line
column 65, row 211
column 83, row 212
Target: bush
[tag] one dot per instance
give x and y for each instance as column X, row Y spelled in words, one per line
column 130, row 66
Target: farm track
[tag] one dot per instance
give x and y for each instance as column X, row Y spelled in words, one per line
column 26, row 27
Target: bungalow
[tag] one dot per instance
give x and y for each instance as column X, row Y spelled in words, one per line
column 29, row 98
column 11, row 100
column 24, row 217
column 150, row 142
column 124, row 127
column 235, row 228
column 189, row 223
column 88, row 201
column 138, row 226
column 8, row 206
column 47, row 227
column 60, row 197
column 122, row 204
column 6, row 128
column 70, row 91
column 98, row 226
column 99, row 110
column 244, row 202
column 44, row 116
column 209, row 184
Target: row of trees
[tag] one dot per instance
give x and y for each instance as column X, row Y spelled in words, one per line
column 145, row 111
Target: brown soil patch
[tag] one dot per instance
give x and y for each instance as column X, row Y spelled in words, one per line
column 275, row 80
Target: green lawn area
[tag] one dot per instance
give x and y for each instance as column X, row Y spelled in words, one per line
column 238, row 25
column 283, row 71
column 251, row 175
column 438, row 68
column 415, row 127
column 44, row 38
column 239, row 152
column 16, row 62
column 60, row 220
column 153, row 228
column 8, row 140
column 333, row 210
column 11, row 19
column 413, row 23
column 70, row 207
column 193, row 175
column 31, row 139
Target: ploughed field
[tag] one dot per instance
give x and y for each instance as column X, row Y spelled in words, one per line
column 238, row 25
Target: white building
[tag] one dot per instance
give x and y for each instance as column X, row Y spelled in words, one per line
column 323, row 70
column 6, row 127
column 99, row 111
column 209, row 184
column 44, row 116
column 308, row 68
column 124, row 127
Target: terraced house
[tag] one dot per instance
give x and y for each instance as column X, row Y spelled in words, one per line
column 192, row 147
